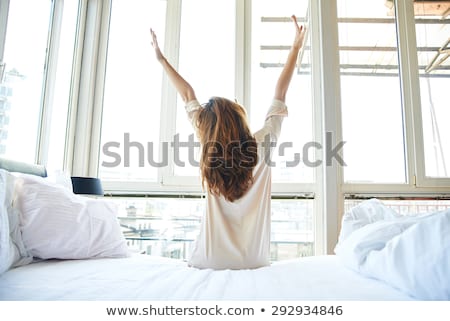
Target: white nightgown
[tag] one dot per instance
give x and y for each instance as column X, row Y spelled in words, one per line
column 236, row 235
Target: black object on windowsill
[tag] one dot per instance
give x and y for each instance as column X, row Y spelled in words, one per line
column 87, row 185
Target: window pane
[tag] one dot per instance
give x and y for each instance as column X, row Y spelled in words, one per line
column 161, row 226
column 207, row 60
column 132, row 99
column 292, row 229
column 58, row 124
column 21, row 88
column 433, row 43
column 169, row 226
column 272, row 36
column 370, row 92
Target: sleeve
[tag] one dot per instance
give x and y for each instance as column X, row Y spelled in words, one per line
column 192, row 107
column 274, row 119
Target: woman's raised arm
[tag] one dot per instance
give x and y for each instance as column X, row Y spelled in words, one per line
column 183, row 88
column 288, row 69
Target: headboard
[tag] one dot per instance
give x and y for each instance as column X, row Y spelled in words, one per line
column 15, row 166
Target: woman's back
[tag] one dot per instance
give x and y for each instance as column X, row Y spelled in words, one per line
column 236, row 235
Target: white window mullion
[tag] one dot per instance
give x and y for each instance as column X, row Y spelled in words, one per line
column 4, row 8
column 49, row 81
column 243, row 53
column 409, row 72
column 319, row 217
column 77, row 80
column 329, row 196
column 83, row 118
column 94, row 153
column 169, row 94
column 75, row 87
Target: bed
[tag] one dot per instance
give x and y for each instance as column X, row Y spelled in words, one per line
column 46, row 266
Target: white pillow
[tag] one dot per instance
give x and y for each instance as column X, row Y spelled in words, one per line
column 12, row 250
column 56, row 223
column 365, row 213
column 410, row 253
column 417, row 261
column 61, row 178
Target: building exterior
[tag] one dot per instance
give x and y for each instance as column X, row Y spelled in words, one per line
column 6, row 93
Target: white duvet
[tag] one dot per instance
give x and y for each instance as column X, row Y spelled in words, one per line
column 145, row 277
column 410, row 253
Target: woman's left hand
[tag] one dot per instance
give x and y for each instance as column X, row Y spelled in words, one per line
column 300, row 33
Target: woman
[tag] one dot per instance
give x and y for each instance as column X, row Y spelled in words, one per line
column 235, row 169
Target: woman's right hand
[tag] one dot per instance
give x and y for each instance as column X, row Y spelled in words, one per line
column 155, row 45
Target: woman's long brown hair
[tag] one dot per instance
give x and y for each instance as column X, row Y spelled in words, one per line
column 229, row 150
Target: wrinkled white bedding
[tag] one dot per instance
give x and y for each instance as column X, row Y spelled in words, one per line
column 12, row 249
column 410, row 253
column 390, row 258
column 143, row 277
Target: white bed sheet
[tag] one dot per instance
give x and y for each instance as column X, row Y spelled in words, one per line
column 143, row 277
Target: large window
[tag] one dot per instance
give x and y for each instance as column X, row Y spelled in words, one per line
column 23, row 77
column 370, row 91
column 380, row 84
column 37, row 43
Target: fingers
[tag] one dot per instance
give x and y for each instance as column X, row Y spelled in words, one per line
column 154, row 39
column 294, row 19
column 299, row 28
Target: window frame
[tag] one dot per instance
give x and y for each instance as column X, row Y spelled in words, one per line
column 4, row 9
column 417, row 183
column 419, row 178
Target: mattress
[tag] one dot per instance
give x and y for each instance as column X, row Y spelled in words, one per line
column 144, row 277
